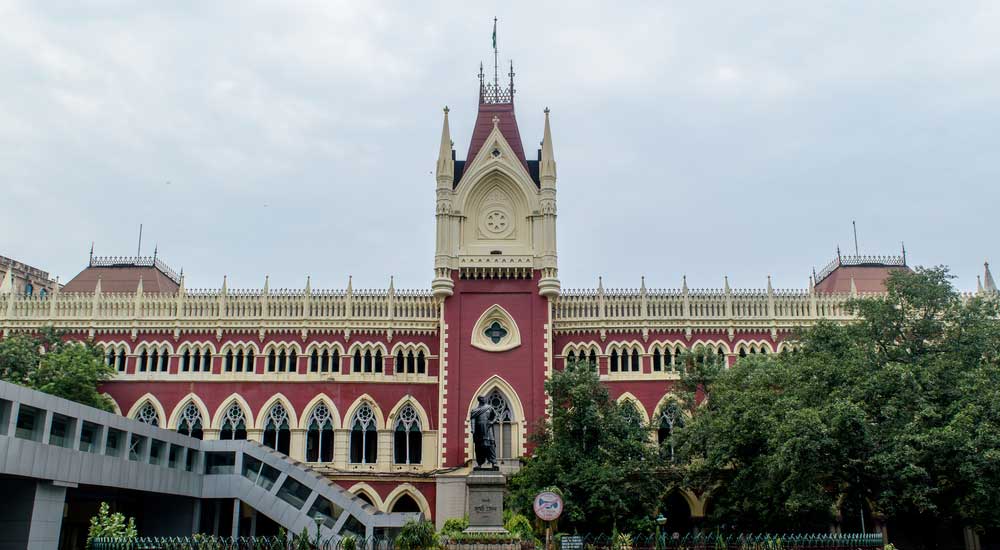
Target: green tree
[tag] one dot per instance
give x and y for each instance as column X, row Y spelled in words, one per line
column 43, row 361
column 108, row 525
column 594, row 452
column 898, row 409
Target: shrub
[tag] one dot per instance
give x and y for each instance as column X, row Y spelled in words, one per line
column 417, row 535
column 108, row 525
column 454, row 526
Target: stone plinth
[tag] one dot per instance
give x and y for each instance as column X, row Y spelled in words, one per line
column 485, row 501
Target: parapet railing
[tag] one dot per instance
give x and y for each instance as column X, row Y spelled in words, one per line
column 224, row 305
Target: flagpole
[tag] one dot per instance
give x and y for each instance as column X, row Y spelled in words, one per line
column 496, row 65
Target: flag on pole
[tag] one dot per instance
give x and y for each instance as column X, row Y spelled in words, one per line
column 494, row 33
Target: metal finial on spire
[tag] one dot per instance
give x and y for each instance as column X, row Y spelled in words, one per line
column 139, row 250
column 496, row 57
column 91, row 253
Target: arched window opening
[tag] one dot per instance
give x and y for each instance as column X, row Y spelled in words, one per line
column 364, row 496
column 249, row 365
column 186, row 361
column 282, row 361
column 314, row 361
column 407, row 440
column 411, row 363
column 325, row 361
column 143, row 361
column 196, row 366
column 121, row 361
column 570, row 358
column 421, row 363
column 364, row 436
column 110, row 359
column 378, row 361
column 319, row 439
column 272, row 359
column 368, row 360
column 400, row 362
column 635, row 361
column 293, row 361
column 190, row 422
column 667, row 359
column 229, row 361
column 277, row 434
column 503, row 429
column 593, row 359
column 154, row 363
column 405, row 503
column 614, row 361
column 671, row 419
column 335, row 361
column 240, row 362
column 234, row 425
column 147, row 413
column 657, row 360
column 631, row 413
column 357, row 360
column 206, row 361
column 29, row 289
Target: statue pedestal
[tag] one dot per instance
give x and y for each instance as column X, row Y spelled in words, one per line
column 485, row 501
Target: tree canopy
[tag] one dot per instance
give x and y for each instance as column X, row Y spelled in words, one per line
column 43, row 361
column 595, row 451
column 899, row 410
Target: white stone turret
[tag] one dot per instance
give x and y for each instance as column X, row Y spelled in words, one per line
column 442, row 285
column 548, row 285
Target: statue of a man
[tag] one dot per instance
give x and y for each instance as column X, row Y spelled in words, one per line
column 482, row 419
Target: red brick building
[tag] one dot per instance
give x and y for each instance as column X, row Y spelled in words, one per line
column 374, row 388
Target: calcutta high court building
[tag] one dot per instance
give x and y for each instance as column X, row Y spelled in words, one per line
column 373, row 388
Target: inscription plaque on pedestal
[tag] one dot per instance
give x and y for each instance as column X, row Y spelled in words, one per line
column 485, row 501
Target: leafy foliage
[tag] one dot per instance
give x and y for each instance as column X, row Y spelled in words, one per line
column 590, row 450
column 900, row 410
column 454, row 526
column 416, row 535
column 108, row 525
column 72, row 370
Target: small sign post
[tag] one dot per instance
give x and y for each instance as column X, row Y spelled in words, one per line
column 548, row 507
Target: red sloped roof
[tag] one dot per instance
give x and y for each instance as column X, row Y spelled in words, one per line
column 508, row 127
column 121, row 279
column 866, row 279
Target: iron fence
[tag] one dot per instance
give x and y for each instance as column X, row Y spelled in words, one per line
column 716, row 541
column 241, row 543
column 693, row 541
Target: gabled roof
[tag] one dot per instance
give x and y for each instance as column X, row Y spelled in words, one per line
column 508, row 127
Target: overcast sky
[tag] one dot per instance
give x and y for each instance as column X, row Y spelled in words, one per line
column 698, row 138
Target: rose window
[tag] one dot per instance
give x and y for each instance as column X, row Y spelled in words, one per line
column 496, row 221
column 496, row 332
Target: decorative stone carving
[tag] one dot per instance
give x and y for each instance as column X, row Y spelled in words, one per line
column 496, row 331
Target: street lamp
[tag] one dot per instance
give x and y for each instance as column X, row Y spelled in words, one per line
column 318, row 518
column 660, row 522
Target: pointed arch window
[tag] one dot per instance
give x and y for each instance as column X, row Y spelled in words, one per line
column 190, row 422
column 186, row 361
column 671, row 419
column 407, row 439
column 421, row 362
column 613, row 366
column 234, row 424
column 570, row 358
column 319, row 439
column 277, row 433
column 631, row 413
column 121, row 361
column 636, row 362
column 357, row 360
column 657, row 360
column 503, row 429
column 364, row 436
column 143, row 360
column 147, row 413
column 230, row 358
column 593, row 359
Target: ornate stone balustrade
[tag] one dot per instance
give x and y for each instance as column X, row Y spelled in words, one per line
column 731, row 309
column 224, row 309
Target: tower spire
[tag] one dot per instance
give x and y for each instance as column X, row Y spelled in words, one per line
column 547, row 168
column 989, row 285
column 445, row 163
